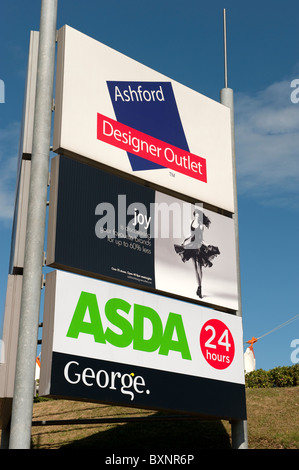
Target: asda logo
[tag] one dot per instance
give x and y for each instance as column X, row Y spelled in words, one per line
column 171, row 337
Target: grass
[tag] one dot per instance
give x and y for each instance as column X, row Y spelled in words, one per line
column 273, row 417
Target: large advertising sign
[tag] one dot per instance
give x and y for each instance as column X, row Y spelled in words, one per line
column 115, row 111
column 8, row 341
column 109, row 343
column 105, row 226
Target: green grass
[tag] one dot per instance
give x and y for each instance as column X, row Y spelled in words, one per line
column 273, row 417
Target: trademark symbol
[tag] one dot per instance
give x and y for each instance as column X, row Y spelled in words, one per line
column 172, row 174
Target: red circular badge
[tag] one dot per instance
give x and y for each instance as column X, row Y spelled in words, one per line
column 217, row 344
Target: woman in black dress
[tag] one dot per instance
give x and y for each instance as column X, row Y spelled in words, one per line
column 196, row 249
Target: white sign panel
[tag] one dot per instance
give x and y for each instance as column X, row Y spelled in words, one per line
column 122, row 114
column 106, row 342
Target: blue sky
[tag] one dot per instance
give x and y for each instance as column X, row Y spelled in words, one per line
column 183, row 40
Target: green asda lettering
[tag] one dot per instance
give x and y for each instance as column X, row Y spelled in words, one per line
column 170, row 338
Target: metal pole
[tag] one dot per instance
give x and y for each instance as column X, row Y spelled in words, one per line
column 20, row 433
column 239, row 428
column 225, row 48
column 227, row 99
column 239, row 434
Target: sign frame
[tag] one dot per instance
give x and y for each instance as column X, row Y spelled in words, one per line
column 205, row 122
column 194, row 392
column 74, row 243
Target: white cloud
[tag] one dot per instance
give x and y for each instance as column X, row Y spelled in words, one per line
column 267, row 145
column 9, row 143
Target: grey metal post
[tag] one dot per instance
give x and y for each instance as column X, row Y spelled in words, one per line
column 239, row 434
column 239, row 428
column 20, row 432
column 227, row 99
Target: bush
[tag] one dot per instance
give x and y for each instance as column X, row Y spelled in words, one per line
column 258, row 379
column 286, row 376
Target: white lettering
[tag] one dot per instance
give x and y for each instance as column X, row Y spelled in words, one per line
column 126, row 386
column 141, row 219
column 126, row 383
column 66, row 373
column 182, row 160
column 104, row 128
column 170, row 459
column 169, row 154
column 105, row 226
column 117, row 94
column 218, row 357
column 295, row 93
column 87, row 374
column 139, row 381
column 138, row 94
column 175, row 214
column 116, row 460
column 295, row 353
column 2, row 92
column 98, row 379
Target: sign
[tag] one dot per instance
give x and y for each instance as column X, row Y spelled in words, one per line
column 8, row 342
column 16, row 262
column 8, row 346
column 124, row 115
column 110, row 343
column 105, row 226
column 17, row 254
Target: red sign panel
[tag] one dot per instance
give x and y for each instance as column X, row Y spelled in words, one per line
column 126, row 138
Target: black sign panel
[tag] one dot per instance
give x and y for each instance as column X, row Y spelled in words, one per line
column 95, row 232
column 167, row 391
column 106, row 226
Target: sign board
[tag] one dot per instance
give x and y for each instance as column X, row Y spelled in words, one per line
column 16, row 262
column 25, row 149
column 119, row 113
column 8, row 345
column 8, row 342
column 17, row 255
column 106, row 226
column 109, row 343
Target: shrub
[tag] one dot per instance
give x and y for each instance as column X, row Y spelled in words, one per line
column 286, row 376
column 283, row 376
column 258, row 379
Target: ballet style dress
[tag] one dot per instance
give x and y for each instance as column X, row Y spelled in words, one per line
column 194, row 248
